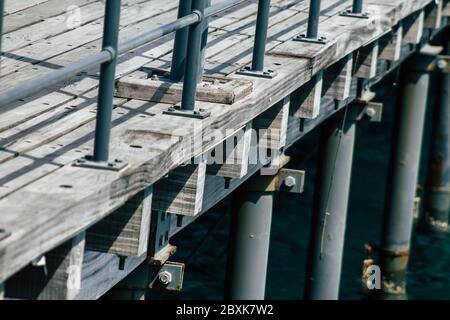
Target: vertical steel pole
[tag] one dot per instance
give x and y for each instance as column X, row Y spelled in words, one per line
column 2, row 7
column 262, row 22
column 180, row 44
column 438, row 193
column 313, row 19
column 249, row 245
column 357, row 6
column 107, row 80
column 330, row 209
column 203, row 45
column 193, row 58
column 404, row 168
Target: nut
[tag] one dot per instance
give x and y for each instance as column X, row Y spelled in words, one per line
column 289, row 181
column 165, row 277
column 371, row 112
column 442, row 64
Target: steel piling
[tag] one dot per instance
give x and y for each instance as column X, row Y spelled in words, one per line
column 330, row 209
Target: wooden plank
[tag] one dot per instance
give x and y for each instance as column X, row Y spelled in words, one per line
column 446, row 9
column 18, row 5
column 125, row 232
column 413, row 27
column 337, row 79
column 182, row 191
column 160, row 89
column 58, row 279
column 271, row 125
column 42, row 11
column 367, row 60
column 305, row 101
column 391, row 45
column 230, row 159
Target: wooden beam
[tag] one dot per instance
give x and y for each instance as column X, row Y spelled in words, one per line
column 433, row 15
column 181, row 192
column 212, row 89
column 337, row 79
column 125, row 232
column 413, row 27
column 391, row 44
column 230, row 158
column 366, row 61
column 305, row 101
column 133, row 287
column 58, row 278
column 446, row 9
column 272, row 124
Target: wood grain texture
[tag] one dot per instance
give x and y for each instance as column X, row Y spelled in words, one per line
column 433, row 15
column 391, row 44
column 125, row 232
column 337, row 79
column 413, row 27
column 366, row 61
column 305, row 102
column 58, row 279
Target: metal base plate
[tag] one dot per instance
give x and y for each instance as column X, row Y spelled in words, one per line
column 247, row 71
column 350, row 14
column 318, row 40
column 87, row 162
column 196, row 114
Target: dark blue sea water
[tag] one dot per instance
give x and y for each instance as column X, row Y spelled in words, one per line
column 429, row 268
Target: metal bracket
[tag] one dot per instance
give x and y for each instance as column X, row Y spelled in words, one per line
column 247, row 71
column 196, row 114
column 168, row 277
column 87, row 162
column 4, row 234
column 318, row 40
column 366, row 110
column 350, row 14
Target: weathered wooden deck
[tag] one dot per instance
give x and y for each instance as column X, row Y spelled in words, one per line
column 45, row 201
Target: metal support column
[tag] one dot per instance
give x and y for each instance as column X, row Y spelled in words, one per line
column 404, row 168
column 356, row 11
column 107, row 80
column 180, row 44
column 249, row 244
column 438, row 188
column 259, row 47
column 330, row 209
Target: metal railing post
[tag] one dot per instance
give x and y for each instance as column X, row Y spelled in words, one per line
column 180, row 44
column 107, row 80
column 2, row 7
column 193, row 58
column 192, row 69
column 356, row 11
column 203, row 44
column 259, row 48
column 312, row 32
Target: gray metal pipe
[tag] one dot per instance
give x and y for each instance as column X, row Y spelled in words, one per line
column 180, row 44
column 313, row 19
column 259, row 48
column 249, row 245
column 357, row 6
column 107, row 81
column 2, row 7
column 191, row 72
column 203, row 44
column 404, row 168
column 330, row 209
column 438, row 188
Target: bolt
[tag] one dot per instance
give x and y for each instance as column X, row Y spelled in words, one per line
column 289, row 181
column 442, row 64
column 165, row 277
column 371, row 112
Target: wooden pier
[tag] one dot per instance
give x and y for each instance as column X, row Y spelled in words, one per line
column 92, row 228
